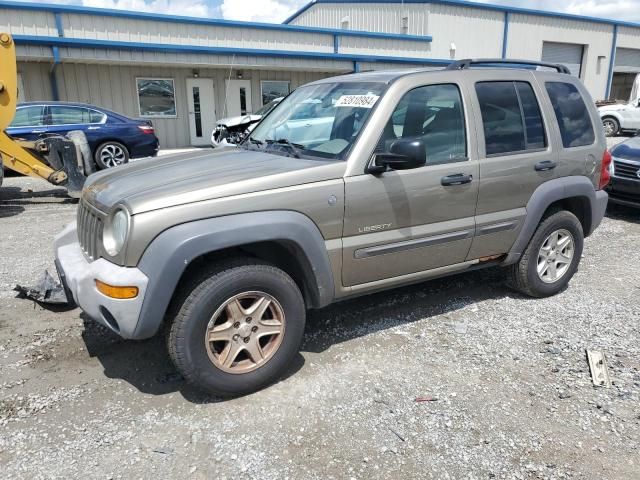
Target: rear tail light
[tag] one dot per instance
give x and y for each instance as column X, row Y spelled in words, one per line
column 146, row 129
column 605, row 170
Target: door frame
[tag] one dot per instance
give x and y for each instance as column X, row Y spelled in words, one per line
column 206, row 136
column 228, row 83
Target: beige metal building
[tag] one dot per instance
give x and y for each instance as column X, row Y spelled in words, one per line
column 605, row 54
column 168, row 68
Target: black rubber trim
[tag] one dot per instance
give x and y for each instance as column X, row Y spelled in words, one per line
column 496, row 227
column 171, row 252
column 411, row 244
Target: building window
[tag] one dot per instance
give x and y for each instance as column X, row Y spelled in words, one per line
column 156, row 97
column 273, row 89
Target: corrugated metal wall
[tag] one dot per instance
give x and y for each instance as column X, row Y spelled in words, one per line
column 475, row 32
column 114, row 87
column 374, row 17
column 149, row 31
column 527, row 33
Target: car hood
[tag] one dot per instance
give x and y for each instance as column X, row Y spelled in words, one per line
column 171, row 180
column 239, row 120
column 613, row 108
column 628, row 150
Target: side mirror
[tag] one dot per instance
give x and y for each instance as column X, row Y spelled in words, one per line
column 404, row 154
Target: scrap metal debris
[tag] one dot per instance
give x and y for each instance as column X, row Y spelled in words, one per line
column 48, row 290
column 426, row 399
column 599, row 368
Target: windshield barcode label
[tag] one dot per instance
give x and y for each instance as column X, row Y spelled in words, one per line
column 361, row 101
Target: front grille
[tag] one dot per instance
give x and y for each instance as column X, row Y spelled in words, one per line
column 626, row 170
column 89, row 230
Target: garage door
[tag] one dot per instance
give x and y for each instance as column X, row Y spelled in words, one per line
column 567, row 54
column 627, row 60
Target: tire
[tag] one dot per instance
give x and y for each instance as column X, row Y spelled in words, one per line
column 611, row 126
column 524, row 277
column 111, row 154
column 201, row 305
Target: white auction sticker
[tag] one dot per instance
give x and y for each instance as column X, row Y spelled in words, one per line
column 362, row 101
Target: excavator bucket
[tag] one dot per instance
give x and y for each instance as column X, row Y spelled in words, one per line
column 53, row 158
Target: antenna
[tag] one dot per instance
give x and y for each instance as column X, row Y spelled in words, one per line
column 226, row 87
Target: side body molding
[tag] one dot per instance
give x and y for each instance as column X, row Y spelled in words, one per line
column 167, row 257
column 550, row 192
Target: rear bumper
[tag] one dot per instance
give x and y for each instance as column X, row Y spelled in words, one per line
column 79, row 280
column 147, row 148
column 598, row 210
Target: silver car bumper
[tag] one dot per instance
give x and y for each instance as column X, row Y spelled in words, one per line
column 79, row 277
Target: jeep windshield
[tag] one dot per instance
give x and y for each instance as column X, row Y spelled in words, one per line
column 317, row 121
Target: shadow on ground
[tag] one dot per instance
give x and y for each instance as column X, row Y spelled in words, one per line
column 146, row 364
column 13, row 200
column 623, row 213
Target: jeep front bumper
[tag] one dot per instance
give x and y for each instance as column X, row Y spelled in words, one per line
column 79, row 276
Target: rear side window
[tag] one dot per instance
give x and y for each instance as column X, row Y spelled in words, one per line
column 511, row 117
column 572, row 114
column 62, row 115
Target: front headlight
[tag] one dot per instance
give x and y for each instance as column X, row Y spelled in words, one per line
column 115, row 234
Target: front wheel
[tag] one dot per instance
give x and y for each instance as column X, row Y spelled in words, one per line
column 611, row 126
column 111, row 154
column 237, row 329
column 551, row 258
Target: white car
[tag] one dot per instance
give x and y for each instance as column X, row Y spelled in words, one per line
column 232, row 130
column 619, row 117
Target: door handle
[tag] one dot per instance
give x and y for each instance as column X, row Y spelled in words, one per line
column 545, row 166
column 457, row 179
column 93, row 128
column 37, row 131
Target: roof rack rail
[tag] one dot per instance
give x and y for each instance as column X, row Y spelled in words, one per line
column 468, row 62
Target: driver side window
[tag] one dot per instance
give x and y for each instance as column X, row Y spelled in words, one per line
column 433, row 114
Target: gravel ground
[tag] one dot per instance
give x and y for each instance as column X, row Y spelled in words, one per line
column 510, row 389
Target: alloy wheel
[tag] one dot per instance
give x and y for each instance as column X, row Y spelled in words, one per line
column 610, row 127
column 245, row 332
column 112, row 155
column 555, row 256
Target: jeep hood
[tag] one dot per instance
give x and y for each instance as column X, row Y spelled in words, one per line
column 161, row 182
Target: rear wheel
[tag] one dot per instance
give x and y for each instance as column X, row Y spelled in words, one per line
column 237, row 328
column 611, row 126
column 111, row 154
column 551, row 258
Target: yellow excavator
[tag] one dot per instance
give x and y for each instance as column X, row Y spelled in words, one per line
column 59, row 160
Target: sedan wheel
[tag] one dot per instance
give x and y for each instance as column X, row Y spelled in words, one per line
column 111, row 155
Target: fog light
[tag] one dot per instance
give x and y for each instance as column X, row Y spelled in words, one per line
column 116, row 292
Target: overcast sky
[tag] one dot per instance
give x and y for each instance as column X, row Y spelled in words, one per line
column 278, row 10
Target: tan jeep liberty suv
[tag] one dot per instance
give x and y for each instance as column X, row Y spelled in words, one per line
column 351, row 185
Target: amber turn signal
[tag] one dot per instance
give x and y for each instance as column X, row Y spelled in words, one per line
column 116, row 292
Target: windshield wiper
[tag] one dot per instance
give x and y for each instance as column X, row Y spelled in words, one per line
column 294, row 147
column 256, row 142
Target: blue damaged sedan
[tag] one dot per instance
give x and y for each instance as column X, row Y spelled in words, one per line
column 113, row 138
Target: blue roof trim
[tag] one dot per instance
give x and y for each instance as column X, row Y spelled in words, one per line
column 216, row 22
column 172, row 48
column 482, row 6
